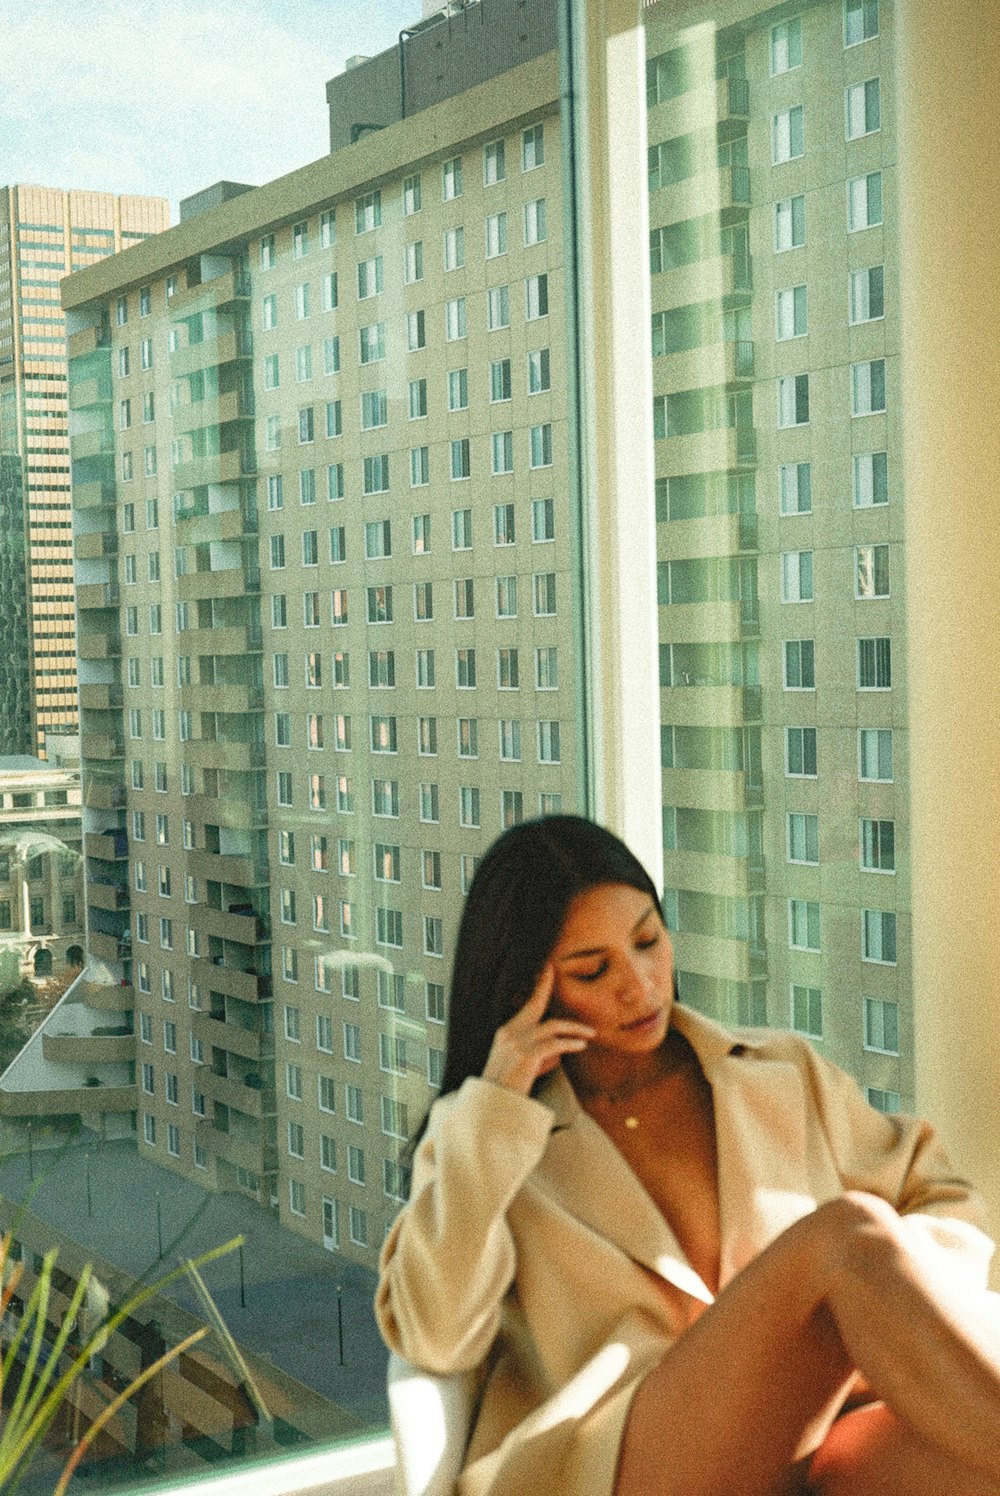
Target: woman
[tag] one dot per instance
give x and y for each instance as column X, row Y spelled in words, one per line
column 686, row 1262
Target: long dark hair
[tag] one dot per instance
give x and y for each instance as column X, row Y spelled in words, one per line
column 513, row 914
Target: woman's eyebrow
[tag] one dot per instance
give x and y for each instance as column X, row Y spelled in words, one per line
column 598, row 950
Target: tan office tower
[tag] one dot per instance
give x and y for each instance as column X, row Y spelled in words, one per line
column 45, row 233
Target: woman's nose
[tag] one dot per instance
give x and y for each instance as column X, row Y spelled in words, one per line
column 632, row 986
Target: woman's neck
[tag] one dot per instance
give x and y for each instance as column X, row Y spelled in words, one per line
column 600, row 1073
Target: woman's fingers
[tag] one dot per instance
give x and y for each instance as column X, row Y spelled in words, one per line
column 529, row 1044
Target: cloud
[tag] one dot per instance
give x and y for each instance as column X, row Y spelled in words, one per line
column 123, row 97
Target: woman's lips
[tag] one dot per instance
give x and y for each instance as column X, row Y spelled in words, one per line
column 648, row 1020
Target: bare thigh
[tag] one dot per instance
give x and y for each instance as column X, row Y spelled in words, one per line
column 746, row 1395
column 869, row 1452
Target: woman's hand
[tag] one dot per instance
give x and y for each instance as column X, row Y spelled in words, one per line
column 530, row 1045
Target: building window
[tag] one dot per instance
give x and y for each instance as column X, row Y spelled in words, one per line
column 786, row 46
column 878, row 936
column 536, row 297
column 532, row 147
column 878, row 845
column 787, row 135
column 803, row 837
column 800, row 665
column 874, row 664
column 793, row 400
column 803, row 925
column 862, row 108
column 860, row 21
column 451, row 179
column 875, row 754
column 494, row 164
column 864, row 202
column 800, row 752
column 795, row 488
column 797, row 577
column 789, row 223
column 455, row 319
column 871, row 571
column 807, row 1011
column 411, row 195
column 468, row 806
column 868, row 388
column 881, row 1025
column 870, row 479
column 790, row 313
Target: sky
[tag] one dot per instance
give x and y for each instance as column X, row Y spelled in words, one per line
column 235, row 90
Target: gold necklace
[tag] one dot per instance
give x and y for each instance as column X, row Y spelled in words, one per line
column 625, row 1093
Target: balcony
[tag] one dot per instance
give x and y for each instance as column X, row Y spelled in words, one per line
column 230, row 981
column 94, row 443
column 212, row 411
column 98, row 595
column 197, row 527
column 733, row 104
column 84, row 394
column 99, row 697
column 229, row 1036
column 104, row 746
column 107, row 998
column 224, row 867
column 108, row 947
column 245, row 929
column 58, row 1103
column 108, row 846
column 206, row 753
column 220, row 291
column 236, row 698
column 93, row 495
column 245, row 1153
column 95, row 545
column 236, row 1093
column 110, row 896
column 87, row 340
column 106, row 645
column 233, row 582
column 704, row 789
column 238, row 640
column 83, row 1049
column 102, row 794
column 214, row 467
column 213, row 352
column 229, row 811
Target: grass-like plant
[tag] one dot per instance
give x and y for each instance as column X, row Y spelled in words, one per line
column 48, row 1370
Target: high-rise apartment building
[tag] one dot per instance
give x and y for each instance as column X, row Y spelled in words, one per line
column 45, row 233
column 777, row 427
column 329, row 609
column 326, row 631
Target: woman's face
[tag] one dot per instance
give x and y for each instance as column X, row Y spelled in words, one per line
column 614, row 968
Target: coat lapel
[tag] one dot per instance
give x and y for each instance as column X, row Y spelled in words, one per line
column 760, row 1130
column 588, row 1176
column 764, row 1177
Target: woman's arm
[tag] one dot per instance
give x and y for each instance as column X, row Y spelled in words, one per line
column 450, row 1258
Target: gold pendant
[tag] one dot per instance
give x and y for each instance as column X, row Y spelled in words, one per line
column 631, row 1123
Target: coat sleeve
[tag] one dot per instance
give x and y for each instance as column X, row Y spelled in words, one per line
column 450, row 1258
column 902, row 1160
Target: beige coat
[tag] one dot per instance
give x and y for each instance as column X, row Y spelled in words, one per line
column 529, row 1248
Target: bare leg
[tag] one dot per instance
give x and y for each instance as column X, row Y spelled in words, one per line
column 750, row 1390
column 870, row 1453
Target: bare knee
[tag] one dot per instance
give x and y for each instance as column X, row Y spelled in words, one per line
column 861, row 1236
